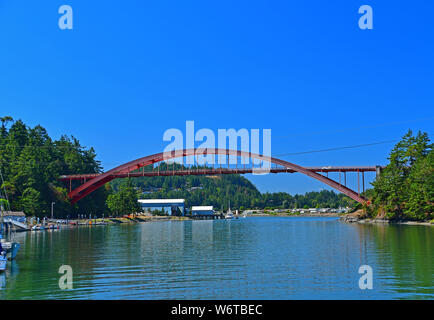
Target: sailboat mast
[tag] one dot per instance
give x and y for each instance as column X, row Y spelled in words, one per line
column 4, row 189
column 1, row 216
column 1, row 203
column 1, row 211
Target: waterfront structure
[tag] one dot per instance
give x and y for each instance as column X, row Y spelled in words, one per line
column 15, row 219
column 202, row 211
column 173, row 207
column 15, row 215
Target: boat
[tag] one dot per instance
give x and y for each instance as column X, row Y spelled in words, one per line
column 3, row 257
column 3, row 261
column 12, row 253
column 245, row 214
column 229, row 214
column 38, row 228
column 3, row 244
column 8, row 249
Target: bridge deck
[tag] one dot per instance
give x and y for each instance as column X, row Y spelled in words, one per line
column 214, row 171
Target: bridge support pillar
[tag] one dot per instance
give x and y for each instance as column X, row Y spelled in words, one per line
column 377, row 172
column 358, row 182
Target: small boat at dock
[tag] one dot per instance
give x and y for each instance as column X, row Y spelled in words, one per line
column 229, row 215
column 46, row 227
column 38, row 228
column 8, row 249
column 3, row 257
column 3, row 261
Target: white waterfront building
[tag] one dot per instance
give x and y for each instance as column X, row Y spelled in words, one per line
column 170, row 206
column 202, row 210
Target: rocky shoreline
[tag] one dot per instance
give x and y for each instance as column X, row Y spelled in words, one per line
column 356, row 219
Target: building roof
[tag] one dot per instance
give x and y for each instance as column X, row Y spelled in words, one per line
column 162, row 201
column 14, row 214
column 201, row 208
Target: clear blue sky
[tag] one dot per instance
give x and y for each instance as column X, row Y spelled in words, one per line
column 129, row 70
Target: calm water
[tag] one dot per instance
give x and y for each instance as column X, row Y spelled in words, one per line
column 253, row 258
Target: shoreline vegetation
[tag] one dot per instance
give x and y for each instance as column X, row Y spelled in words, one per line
column 404, row 190
column 359, row 216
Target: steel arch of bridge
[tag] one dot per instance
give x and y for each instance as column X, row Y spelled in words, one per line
column 98, row 181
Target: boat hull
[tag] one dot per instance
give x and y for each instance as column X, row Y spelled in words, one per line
column 12, row 252
column 3, row 262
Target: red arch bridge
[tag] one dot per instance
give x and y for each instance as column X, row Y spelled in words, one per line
column 91, row 182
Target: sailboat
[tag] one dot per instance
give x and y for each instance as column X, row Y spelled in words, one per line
column 3, row 260
column 3, row 257
column 8, row 249
column 229, row 214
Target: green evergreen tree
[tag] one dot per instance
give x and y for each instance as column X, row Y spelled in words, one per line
column 31, row 163
column 124, row 201
column 404, row 188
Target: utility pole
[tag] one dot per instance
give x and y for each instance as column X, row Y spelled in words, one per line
column 52, row 205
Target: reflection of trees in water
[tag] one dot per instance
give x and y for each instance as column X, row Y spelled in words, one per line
column 8, row 278
column 43, row 252
column 120, row 255
column 147, row 257
column 407, row 251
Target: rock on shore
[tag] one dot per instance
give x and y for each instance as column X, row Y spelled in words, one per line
column 359, row 216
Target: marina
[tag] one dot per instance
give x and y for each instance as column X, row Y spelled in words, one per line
column 8, row 246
